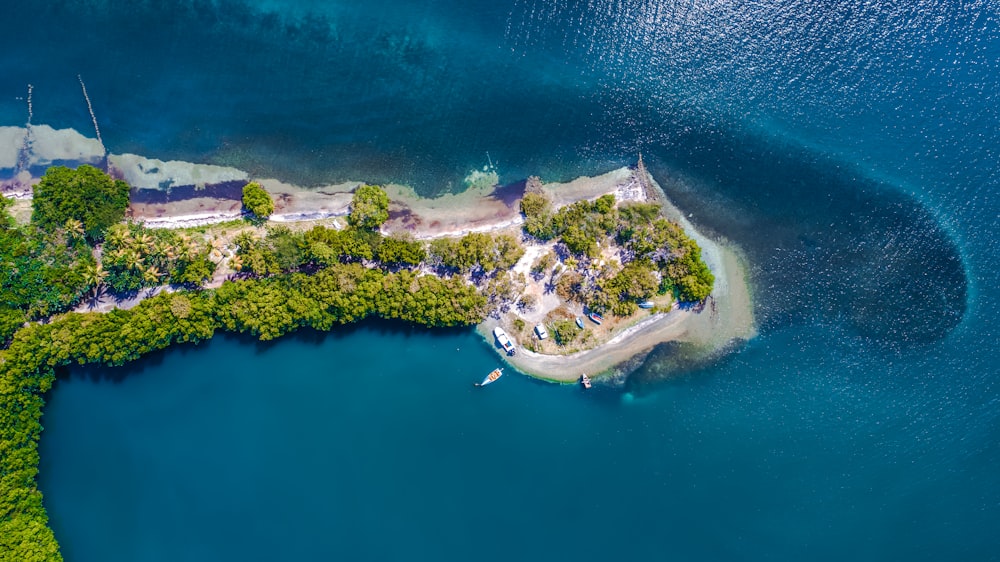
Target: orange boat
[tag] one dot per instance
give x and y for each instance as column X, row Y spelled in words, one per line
column 491, row 378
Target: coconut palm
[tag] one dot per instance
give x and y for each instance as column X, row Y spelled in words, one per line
column 94, row 275
column 144, row 240
column 74, row 228
column 152, row 275
column 118, row 255
column 190, row 251
column 117, row 236
column 131, row 259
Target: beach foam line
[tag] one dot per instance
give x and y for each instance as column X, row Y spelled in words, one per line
column 306, row 216
column 196, row 219
column 492, row 227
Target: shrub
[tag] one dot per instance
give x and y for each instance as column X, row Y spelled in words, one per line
column 369, row 208
column 537, row 211
column 565, row 331
column 257, row 200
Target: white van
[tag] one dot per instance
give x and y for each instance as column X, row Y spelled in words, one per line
column 541, row 332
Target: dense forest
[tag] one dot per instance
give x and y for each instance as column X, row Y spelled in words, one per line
column 48, row 266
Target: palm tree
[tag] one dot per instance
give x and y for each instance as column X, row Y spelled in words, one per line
column 152, row 275
column 190, row 251
column 74, row 228
column 118, row 236
column 131, row 259
column 117, row 254
column 94, row 275
column 144, row 240
column 163, row 251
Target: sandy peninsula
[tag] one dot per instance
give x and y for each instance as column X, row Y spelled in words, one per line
column 173, row 194
column 726, row 316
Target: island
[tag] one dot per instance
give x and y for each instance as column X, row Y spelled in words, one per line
column 123, row 255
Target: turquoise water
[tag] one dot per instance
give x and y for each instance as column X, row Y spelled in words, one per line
column 850, row 148
column 373, row 444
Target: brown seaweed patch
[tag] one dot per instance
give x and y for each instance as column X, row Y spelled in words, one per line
column 232, row 190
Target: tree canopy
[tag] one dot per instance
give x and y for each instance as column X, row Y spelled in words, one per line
column 85, row 194
column 580, row 226
column 664, row 244
column 41, row 272
column 476, row 252
column 369, row 208
column 537, row 211
column 401, row 250
column 656, row 253
column 134, row 257
column 257, row 200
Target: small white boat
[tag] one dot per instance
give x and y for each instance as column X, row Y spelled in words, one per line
column 491, row 378
column 585, row 380
column 579, row 322
column 503, row 340
column 647, row 304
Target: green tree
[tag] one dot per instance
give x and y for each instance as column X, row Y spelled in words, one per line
column 537, row 211
column 257, row 200
column 255, row 256
column 369, row 208
column 565, row 331
column 86, row 194
column 476, row 252
column 288, row 247
column 401, row 249
column 42, row 272
column 11, row 319
column 6, row 221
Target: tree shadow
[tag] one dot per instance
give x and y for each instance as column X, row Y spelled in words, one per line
column 510, row 194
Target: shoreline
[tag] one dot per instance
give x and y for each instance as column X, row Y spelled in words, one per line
column 178, row 194
column 727, row 317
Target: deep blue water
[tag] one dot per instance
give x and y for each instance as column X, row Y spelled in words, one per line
column 851, row 148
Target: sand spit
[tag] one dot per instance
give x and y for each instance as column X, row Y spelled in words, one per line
column 174, row 194
column 726, row 316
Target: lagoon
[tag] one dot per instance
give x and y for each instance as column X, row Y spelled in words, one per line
column 372, row 443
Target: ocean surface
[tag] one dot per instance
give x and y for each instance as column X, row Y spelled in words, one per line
column 852, row 149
